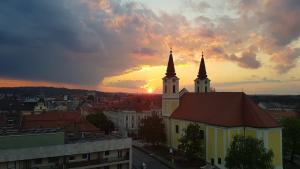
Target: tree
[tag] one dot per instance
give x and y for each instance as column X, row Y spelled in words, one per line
column 151, row 129
column 101, row 121
column 191, row 143
column 291, row 136
column 248, row 153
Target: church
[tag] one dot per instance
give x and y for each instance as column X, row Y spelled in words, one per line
column 221, row 115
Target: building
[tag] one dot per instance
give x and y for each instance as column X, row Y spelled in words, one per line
column 61, row 140
column 221, row 115
column 127, row 121
column 48, row 148
column 41, row 106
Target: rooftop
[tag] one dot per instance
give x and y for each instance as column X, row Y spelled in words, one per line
column 228, row 109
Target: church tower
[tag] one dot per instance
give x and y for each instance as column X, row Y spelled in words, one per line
column 170, row 95
column 202, row 83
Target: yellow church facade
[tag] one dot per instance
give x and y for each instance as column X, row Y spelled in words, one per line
column 221, row 116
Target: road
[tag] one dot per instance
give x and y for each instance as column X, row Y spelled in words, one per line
column 151, row 163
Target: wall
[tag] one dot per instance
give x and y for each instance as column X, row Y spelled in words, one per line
column 220, row 138
column 31, row 140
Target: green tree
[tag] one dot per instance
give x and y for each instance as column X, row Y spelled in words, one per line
column 101, row 121
column 152, row 130
column 291, row 137
column 248, row 153
column 191, row 143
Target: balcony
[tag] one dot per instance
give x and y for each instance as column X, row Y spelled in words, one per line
column 97, row 162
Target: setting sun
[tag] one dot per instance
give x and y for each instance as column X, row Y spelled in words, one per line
column 149, row 90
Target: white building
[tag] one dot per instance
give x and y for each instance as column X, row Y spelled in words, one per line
column 128, row 122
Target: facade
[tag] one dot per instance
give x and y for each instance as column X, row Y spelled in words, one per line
column 221, row 115
column 40, row 107
column 45, row 149
column 128, row 122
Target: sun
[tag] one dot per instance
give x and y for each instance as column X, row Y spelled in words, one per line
column 149, row 90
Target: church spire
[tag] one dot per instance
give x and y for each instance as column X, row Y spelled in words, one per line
column 171, row 69
column 202, row 70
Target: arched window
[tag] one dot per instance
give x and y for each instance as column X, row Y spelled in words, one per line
column 174, row 89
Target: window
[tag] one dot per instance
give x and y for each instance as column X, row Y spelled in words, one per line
column 106, row 167
column 212, row 161
column 219, row 160
column 38, row 161
column 205, row 89
column 132, row 118
column 174, row 89
column 198, row 89
column 72, row 158
column 84, row 156
column 52, row 159
column 120, row 153
column 126, row 118
column 166, row 89
column 177, row 128
column 201, row 134
column 132, row 125
column 106, row 153
column 119, row 166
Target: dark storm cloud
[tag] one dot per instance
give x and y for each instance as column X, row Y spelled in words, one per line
column 130, row 84
column 68, row 41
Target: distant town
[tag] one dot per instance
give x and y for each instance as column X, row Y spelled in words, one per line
column 46, row 124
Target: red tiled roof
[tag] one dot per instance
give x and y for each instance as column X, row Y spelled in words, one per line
column 137, row 103
column 67, row 120
column 230, row 109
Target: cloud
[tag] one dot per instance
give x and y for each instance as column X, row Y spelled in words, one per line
column 247, row 60
column 131, row 84
column 82, row 42
column 74, row 41
column 276, row 26
column 197, row 6
column 286, row 59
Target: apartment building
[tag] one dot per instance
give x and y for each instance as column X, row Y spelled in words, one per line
column 50, row 149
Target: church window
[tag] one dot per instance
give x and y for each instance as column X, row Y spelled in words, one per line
column 166, row 89
column 174, row 88
column 212, row 161
column 198, row 89
column 219, row 160
column 205, row 89
column 177, row 128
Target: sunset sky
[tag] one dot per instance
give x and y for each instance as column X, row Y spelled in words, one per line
column 123, row 46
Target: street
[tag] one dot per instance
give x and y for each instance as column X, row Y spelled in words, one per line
column 151, row 163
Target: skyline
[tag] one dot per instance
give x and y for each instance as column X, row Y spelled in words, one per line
column 123, row 46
